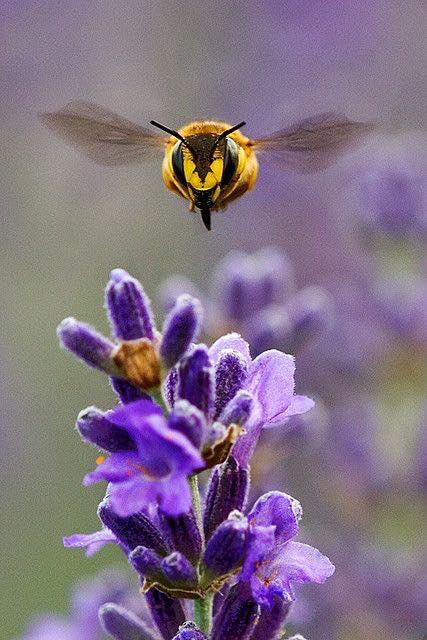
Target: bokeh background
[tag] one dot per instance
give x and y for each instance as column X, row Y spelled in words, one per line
column 66, row 223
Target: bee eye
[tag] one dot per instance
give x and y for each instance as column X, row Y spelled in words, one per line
column 178, row 164
column 231, row 158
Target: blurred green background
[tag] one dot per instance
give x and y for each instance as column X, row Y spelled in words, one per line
column 66, row 223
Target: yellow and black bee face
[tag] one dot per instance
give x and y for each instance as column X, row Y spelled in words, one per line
column 206, row 164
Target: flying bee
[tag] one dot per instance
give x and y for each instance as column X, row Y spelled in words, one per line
column 209, row 163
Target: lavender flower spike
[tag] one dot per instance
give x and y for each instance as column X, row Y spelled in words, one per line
column 87, row 345
column 180, row 329
column 123, row 624
column 128, row 307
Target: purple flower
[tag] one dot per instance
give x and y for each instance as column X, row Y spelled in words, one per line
column 274, row 562
column 270, row 381
column 392, row 199
column 156, row 470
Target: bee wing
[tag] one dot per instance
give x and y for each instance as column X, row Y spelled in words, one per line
column 102, row 135
column 315, row 143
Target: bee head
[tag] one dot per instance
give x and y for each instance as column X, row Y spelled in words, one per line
column 204, row 163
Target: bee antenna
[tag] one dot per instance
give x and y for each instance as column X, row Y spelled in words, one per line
column 206, row 217
column 176, row 134
column 227, row 132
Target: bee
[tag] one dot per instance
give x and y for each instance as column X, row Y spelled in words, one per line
column 209, row 163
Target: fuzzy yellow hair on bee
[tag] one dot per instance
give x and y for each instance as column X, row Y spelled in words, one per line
column 209, row 163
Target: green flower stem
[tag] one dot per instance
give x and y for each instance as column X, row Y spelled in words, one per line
column 202, row 606
column 197, row 506
column 203, row 613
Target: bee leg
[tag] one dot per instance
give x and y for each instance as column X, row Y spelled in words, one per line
column 191, row 208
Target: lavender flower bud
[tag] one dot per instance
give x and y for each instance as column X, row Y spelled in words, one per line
column 196, row 380
column 393, row 200
column 271, row 621
column 275, row 275
column 147, row 563
column 166, row 612
column 310, row 312
column 95, row 428
column 182, row 532
column 269, row 328
column 238, row 410
column 189, row 631
column 128, row 392
column 128, row 307
column 133, row 531
column 225, row 550
column 123, row 624
column 87, row 344
column 235, row 283
column 231, row 371
column 189, row 420
column 179, row 571
column 238, row 616
column 180, row 329
column 227, row 491
column 173, row 287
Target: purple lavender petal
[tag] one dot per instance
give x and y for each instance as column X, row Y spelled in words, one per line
column 127, row 392
column 188, row 420
column 123, row 624
column 231, row 371
column 189, row 631
column 128, row 307
column 95, row 428
column 226, row 548
column 167, row 613
column 87, row 344
column 196, row 380
column 237, row 617
column 133, row 531
column 230, row 341
column 271, row 381
column 286, row 564
column 180, row 329
column 116, row 468
column 298, row 406
column 227, row 491
column 92, row 542
column 157, row 472
column 278, row 509
column 261, row 543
